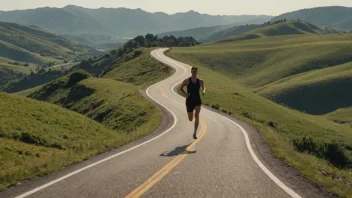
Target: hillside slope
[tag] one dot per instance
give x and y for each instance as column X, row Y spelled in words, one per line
column 257, row 62
column 315, row 92
column 283, row 28
column 197, row 33
column 342, row 116
column 322, row 16
column 41, row 144
column 28, row 48
column 283, row 129
column 43, row 43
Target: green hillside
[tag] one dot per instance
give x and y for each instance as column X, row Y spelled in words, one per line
column 197, row 33
column 282, row 28
column 345, row 25
column 16, row 53
column 102, row 65
column 342, row 116
column 7, row 75
column 96, row 98
column 327, row 16
column 315, row 92
column 40, row 144
column 261, row 61
column 139, row 70
column 43, row 43
column 28, row 91
column 25, row 48
column 32, row 80
column 233, row 70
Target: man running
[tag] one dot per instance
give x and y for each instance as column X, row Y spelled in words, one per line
column 193, row 101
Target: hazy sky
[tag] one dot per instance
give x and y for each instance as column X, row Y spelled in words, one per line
column 214, row 7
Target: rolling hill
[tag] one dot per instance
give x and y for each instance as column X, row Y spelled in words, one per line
column 334, row 17
column 316, row 92
column 26, row 48
column 212, row 33
column 220, row 33
column 306, row 71
column 233, row 70
column 342, row 116
column 30, row 39
column 197, row 33
column 120, row 22
column 232, row 31
column 282, row 28
column 118, row 114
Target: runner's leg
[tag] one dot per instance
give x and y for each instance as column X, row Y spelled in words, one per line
column 196, row 123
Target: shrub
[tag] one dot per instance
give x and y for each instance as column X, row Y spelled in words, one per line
column 333, row 152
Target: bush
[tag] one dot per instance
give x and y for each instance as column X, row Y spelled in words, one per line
column 333, row 152
column 76, row 77
column 224, row 110
column 216, row 106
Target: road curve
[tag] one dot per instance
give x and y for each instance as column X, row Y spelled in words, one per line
column 221, row 163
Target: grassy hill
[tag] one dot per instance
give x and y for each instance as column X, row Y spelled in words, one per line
column 258, row 62
column 25, row 48
column 138, row 70
column 28, row 91
column 342, row 116
column 95, row 98
column 101, row 65
column 284, row 28
column 7, row 75
column 233, row 70
column 32, row 80
column 197, row 33
column 40, row 144
column 43, row 43
column 315, row 92
column 330, row 16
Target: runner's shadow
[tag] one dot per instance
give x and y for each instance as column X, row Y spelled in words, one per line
column 177, row 151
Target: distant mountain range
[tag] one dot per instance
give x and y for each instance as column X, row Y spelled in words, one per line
column 120, row 22
column 336, row 17
column 333, row 18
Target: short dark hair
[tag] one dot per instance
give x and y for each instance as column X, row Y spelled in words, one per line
column 194, row 67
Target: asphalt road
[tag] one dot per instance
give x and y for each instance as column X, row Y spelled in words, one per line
column 221, row 163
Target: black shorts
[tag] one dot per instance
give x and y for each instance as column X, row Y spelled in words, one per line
column 191, row 103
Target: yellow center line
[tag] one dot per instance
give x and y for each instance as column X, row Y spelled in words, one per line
column 168, row 167
column 163, row 93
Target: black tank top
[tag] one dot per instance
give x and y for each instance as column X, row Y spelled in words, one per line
column 193, row 89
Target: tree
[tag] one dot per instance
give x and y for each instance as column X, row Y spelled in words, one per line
column 140, row 41
column 113, row 52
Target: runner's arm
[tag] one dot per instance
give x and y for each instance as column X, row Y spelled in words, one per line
column 202, row 85
column 184, row 83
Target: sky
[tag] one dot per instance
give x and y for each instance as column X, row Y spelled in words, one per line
column 213, row 7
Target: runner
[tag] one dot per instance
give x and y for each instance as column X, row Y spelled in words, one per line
column 193, row 101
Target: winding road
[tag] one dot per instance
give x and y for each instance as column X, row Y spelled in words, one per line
column 221, row 163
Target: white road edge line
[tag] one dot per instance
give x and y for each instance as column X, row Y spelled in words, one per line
column 254, row 156
column 108, row 158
